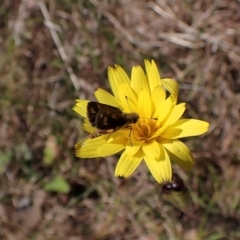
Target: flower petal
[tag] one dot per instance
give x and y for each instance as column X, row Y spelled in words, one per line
column 117, row 76
column 179, row 153
column 104, row 97
column 138, row 79
column 87, row 126
column 127, row 98
column 158, row 96
column 171, row 85
column 176, row 113
column 120, row 135
column 153, row 74
column 81, row 107
column 185, row 128
column 152, row 150
column 132, row 150
column 164, row 110
column 127, row 164
column 145, row 104
column 110, row 148
column 97, row 147
column 161, row 170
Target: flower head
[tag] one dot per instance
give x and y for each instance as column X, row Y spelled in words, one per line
column 154, row 136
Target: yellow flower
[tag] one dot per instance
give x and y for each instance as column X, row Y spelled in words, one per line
column 154, row 138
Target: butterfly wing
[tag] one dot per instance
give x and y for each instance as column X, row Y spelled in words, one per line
column 109, row 118
column 92, row 111
column 105, row 117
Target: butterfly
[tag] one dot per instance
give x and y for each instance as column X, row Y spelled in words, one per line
column 108, row 119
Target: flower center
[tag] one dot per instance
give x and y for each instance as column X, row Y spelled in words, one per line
column 145, row 130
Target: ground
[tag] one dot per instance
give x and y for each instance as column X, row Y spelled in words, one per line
column 54, row 52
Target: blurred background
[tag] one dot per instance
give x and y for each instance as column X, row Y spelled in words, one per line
column 54, row 52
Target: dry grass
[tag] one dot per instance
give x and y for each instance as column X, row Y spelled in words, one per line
column 53, row 53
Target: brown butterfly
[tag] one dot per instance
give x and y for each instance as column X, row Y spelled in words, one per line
column 108, row 119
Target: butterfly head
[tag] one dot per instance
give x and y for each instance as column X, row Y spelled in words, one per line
column 131, row 117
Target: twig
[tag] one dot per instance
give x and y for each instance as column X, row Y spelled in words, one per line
column 124, row 32
column 77, row 83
